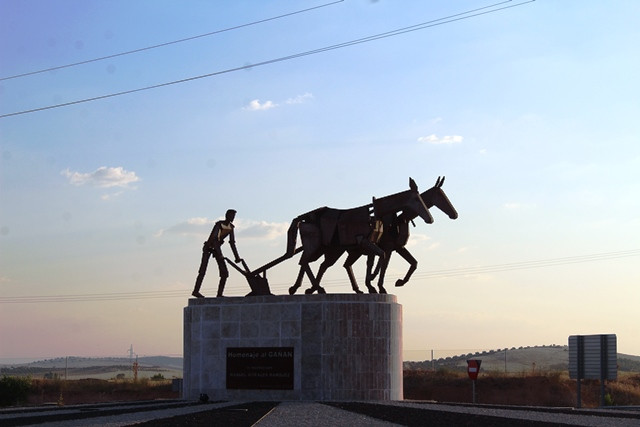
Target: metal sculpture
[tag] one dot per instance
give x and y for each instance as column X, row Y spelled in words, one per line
column 396, row 235
column 331, row 232
column 376, row 230
column 213, row 248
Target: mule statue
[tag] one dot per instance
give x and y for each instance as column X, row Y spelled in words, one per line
column 396, row 235
column 331, row 232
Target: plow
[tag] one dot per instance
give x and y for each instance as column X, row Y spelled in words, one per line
column 257, row 278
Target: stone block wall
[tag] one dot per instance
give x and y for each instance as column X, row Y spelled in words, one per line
column 346, row 346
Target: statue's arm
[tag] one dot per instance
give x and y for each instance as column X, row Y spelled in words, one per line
column 232, row 242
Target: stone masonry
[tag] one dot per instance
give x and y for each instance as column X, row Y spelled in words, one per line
column 346, row 346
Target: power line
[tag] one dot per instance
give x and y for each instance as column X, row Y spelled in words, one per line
column 281, row 288
column 428, row 24
column 102, row 58
column 551, row 262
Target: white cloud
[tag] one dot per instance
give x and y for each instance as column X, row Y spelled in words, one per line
column 418, row 239
column 434, row 139
column 110, row 196
column 192, row 227
column 103, row 177
column 256, row 105
column 512, row 206
column 299, row 99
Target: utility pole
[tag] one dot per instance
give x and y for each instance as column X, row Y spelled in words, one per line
column 134, row 365
column 135, row 370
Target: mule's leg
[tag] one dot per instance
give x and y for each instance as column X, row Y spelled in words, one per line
column 353, row 257
column 296, row 285
column 330, row 258
column 376, row 271
column 384, row 263
column 370, row 274
column 404, row 253
column 315, row 285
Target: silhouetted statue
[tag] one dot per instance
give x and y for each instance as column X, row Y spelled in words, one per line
column 213, row 247
column 376, row 230
column 331, row 232
column 396, row 235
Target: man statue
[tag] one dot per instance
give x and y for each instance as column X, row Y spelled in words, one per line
column 213, row 247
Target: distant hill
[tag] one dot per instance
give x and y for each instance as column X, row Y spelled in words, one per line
column 97, row 367
column 83, row 362
column 511, row 360
column 522, row 359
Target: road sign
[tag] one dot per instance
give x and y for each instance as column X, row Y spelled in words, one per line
column 593, row 357
column 473, row 368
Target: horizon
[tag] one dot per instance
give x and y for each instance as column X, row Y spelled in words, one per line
column 438, row 354
column 114, row 167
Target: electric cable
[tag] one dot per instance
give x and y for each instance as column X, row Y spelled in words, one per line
column 428, row 24
column 282, row 288
column 102, row 58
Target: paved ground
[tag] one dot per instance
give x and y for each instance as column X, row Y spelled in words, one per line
column 283, row 414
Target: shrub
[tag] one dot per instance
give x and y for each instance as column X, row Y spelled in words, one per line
column 14, row 390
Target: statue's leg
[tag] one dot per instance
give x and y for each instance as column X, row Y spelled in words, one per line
column 351, row 259
column 314, row 283
column 294, row 288
column 370, row 275
column 413, row 264
column 377, row 269
column 384, row 263
column 330, row 258
column 224, row 273
column 201, row 272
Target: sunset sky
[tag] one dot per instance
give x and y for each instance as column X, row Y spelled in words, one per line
column 274, row 108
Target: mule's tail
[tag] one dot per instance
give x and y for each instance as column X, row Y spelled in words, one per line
column 292, row 235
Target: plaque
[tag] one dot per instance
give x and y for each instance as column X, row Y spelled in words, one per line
column 260, row 368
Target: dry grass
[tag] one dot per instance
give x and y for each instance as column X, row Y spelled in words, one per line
column 626, row 390
column 549, row 389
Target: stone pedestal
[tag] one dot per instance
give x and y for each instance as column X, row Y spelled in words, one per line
column 317, row 347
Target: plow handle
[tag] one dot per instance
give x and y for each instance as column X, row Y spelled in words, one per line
column 246, row 272
column 276, row 261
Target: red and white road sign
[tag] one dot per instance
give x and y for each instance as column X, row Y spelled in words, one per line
column 473, row 368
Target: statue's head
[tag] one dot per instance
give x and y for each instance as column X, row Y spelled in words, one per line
column 230, row 215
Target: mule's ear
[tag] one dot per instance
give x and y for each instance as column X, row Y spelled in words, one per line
column 412, row 184
column 437, row 182
column 441, row 182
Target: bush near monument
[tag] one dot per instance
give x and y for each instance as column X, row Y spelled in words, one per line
column 14, row 390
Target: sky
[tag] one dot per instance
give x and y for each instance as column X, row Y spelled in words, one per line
column 531, row 112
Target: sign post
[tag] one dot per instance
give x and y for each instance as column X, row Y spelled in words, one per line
column 473, row 368
column 592, row 357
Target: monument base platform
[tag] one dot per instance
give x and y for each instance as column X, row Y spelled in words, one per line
column 298, row 347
